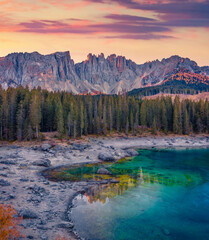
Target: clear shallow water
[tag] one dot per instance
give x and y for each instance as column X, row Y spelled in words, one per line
column 162, row 194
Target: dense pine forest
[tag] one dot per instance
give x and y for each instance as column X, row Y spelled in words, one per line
column 25, row 113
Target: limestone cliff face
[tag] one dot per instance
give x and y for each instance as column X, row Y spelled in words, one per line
column 54, row 72
column 110, row 75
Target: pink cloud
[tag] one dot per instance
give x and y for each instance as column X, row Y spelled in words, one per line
column 18, row 6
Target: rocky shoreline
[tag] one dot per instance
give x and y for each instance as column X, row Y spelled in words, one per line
column 45, row 204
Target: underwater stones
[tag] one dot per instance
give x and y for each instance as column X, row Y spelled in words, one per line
column 114, row 181
column 165, row 231
column 108, row 157
column 103, row 171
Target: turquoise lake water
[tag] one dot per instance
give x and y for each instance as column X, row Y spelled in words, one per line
column 161, row 194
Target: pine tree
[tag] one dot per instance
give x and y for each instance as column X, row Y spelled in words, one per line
column 85, row 123
column 164, row 121
column 132, row 122
column 143, row 114
column 177, row 117
column 35, row 113
column 12, row 113
column 59, row 118
column 96, row 122
column 117, row 119
column 186, row 129
column 69, row 123
column 99, row 115
column 81, row 119
column 104, row 120
column 110, row 116
column 136, row 121
column 20, row 121
column 75, row 121
column 154, row 127
column 127, row 125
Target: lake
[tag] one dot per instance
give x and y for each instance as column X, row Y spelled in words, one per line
column 160, row 194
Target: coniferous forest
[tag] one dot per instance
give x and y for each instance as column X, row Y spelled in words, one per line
column 25, row 113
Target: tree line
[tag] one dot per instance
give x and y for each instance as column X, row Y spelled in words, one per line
column 25, row 113
column 173, row 87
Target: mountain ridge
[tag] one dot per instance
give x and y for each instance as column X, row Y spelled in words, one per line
column 110, row 75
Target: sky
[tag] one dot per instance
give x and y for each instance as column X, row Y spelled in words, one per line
column 141, row 30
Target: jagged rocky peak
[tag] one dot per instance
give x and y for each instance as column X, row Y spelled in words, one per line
column 62, row 54
column 112, row 74
column 175, row 59
column 118, row 61
column 91, row 57
column 101, row 56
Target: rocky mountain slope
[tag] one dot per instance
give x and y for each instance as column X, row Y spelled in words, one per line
column 187, row 77
column 110, row 75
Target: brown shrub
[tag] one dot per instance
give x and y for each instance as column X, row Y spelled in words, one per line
column 61, row 238
column 9, row 223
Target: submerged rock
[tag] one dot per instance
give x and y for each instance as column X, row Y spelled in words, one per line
column 106, row 157
column 103, row 171
column 114, row 181
column 166, row 231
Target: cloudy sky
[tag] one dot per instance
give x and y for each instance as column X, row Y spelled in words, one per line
column 138, row 29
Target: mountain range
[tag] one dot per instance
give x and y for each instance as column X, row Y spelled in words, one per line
column 111, row 75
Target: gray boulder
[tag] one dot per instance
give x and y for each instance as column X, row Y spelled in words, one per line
column 80, row 147
column 8, row 162
column 66, row 225
column 132, row 152
column 27, row 214
column 46, row 147
column 108, row 157
column 103, row 171
column 42, row 163
column 4, row 183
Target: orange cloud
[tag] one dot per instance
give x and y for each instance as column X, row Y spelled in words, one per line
column 66, row 4
column 2, row 3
